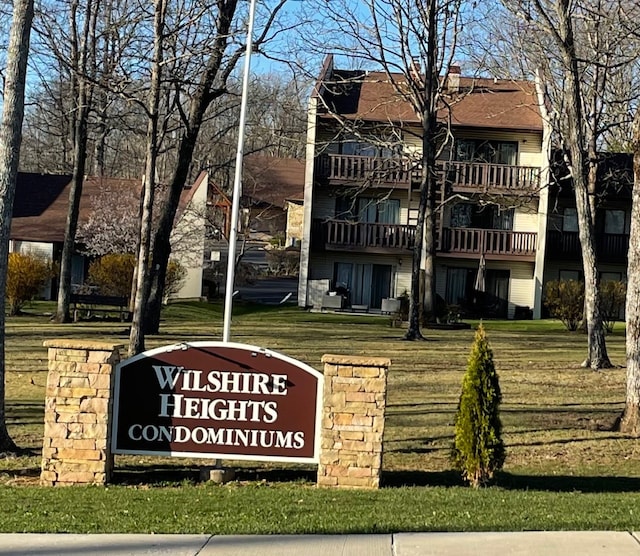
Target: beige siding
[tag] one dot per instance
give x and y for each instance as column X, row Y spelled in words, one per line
column 521, row 286
column 525, row 219
column 38, row 248
column 188, row 241
column 412, row 141
column 403, row 276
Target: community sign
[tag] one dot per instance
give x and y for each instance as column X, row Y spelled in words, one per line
column 217, row 400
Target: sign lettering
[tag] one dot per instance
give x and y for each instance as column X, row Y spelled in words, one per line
column 217, row 400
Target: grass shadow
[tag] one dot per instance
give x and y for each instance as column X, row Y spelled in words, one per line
column 154, row 475
column 569, row 483
column 161, row 475
column 510, row 481
column 397, row 479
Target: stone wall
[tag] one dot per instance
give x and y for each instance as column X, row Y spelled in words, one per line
column 355, row 392
column 77, row 407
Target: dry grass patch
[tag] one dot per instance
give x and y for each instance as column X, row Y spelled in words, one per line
column 556, row 416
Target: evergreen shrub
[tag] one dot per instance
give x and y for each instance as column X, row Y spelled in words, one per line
column 478, row 450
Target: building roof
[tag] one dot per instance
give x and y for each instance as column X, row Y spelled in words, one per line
column 41, row 203
column 478, row 102
column 273, row 180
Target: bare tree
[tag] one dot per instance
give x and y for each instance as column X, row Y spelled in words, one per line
column 399, row 36
column 142, row 278
column 10, row 138
column 82, row 64
column 203, row 83
column 583, row 48
column 630, row 422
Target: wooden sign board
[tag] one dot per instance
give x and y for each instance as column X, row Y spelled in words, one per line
column 217, row 400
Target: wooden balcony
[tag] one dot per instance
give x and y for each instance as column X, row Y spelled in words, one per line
column 344, row 235
column 497, row 178
column 610, row 248
column 468, row 177
column 494, row 244
column 338, row 169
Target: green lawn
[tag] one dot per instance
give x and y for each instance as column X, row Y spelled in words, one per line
column 565, row 468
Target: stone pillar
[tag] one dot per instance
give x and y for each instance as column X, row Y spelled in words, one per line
column 355, row 392
column 75, row 447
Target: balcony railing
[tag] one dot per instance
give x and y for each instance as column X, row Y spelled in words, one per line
column 501, row 177
column 610, row 248
column 396, row 171
column 344, row 234
column 364, row 169
column 498, row 243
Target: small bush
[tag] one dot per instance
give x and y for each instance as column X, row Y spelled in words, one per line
column 283, row 262
column 112, row 274
column 245, row 274
column 26, row 275
column 176, row 275
column 565, row 301
column 478, row 450
column 613, row 294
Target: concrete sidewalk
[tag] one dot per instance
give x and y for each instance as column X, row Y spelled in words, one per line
column 553, row 543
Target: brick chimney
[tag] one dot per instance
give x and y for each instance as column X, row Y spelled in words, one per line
column 453, row 79
column 415, row 68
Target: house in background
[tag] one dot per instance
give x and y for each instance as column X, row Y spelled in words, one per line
column 273, row 190
column 40, row 212
column 612, row 224
column 361, row 194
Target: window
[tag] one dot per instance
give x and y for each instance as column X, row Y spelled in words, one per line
column 385, row 145
column 461, row 215
column 459, row 285
column 492, row 152
column 614, row 221
column 570, row 220
column 467, row 215
column 570, row 275
column 368, row 209
column 610, row 276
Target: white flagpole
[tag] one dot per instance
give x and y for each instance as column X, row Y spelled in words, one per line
column 237, row 182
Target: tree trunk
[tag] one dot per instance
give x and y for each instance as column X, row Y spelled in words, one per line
column 205, row 94
column 597, row 357
column 161, row 242
column 73, row 210
column 630, row 422
column 84, row 63
column 10, row 138
column 143, row 278
column 426, row 210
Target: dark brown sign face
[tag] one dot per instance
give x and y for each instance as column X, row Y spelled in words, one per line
column 217, row 400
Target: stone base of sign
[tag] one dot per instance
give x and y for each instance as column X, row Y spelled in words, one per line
column 218, row 475
column 75, row 447
column 355, row 392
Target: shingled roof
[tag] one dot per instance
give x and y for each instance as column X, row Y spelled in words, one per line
column 273, row 180
column 41, row 202
column 478, row 102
